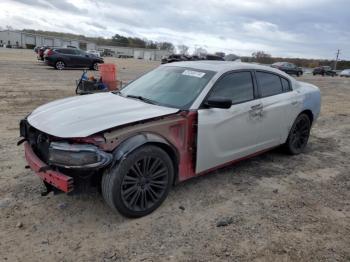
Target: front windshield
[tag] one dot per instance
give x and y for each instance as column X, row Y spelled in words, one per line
column 170, row 86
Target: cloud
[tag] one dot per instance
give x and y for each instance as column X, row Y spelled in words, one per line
column 313, row 28
column 60, row 5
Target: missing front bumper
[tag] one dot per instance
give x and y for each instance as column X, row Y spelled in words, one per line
column 54, row 178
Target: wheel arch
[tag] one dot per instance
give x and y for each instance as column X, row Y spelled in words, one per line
column 131, row 144
column 309, row 113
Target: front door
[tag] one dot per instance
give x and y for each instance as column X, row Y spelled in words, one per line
column 225, row 135
column 82, row 58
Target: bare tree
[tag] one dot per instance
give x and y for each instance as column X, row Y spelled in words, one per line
column 262, row 57
column 183, row 49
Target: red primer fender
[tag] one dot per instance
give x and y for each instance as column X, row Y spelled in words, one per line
column 183, row 135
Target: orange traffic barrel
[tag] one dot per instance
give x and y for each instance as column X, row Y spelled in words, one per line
column 107, row 72
column 108, row 75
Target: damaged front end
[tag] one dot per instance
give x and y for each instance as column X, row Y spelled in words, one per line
column 77, row 156
column 62, row 163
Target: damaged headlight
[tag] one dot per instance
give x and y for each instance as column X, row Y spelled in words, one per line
column 77, row 156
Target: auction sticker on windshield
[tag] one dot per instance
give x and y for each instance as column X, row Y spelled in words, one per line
column 193, row 73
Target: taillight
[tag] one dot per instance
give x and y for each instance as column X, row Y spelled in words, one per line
column 50, row 52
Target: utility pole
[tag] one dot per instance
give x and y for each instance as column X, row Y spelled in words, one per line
column 336, row 59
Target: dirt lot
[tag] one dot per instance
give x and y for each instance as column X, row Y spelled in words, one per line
column 282, row 208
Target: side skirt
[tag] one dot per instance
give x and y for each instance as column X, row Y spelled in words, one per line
column 235, row 161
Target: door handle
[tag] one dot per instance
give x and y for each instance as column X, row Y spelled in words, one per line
column 256, row 107
column 256, row 111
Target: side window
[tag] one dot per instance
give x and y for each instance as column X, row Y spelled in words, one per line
column 270, row 84
column 67, row 52
column 236, row 86
column 285, row 85
column 79, row 52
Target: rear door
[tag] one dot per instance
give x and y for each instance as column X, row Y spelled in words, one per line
column 225, row 135
column 278, row 103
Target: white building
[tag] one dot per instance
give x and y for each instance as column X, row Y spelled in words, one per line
column 22, row 39
column 137, row 53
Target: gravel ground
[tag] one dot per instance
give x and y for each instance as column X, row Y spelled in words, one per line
column 270, row 208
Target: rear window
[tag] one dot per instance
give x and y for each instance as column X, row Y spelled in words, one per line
column 270, row 84
column 285, row 85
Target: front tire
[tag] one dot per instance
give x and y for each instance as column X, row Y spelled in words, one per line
column 140, row 183
column 95, row 66
column 298, row 135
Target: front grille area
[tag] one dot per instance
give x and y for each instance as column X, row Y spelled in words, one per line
column 39, row 141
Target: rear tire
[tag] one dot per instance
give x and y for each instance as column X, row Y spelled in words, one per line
column 140, row 183
column 60, row 65
column 298, row 135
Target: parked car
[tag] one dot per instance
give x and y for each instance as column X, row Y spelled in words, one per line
column 288, row 68
column 176, row 122
column 324, row 70
column 107, row 52
column 40, row 52
column 213, row 57
column 94, row 52
column 173, row 58
column 46, row 52
column 177, row 58
column 60, row 58
column 345, row 73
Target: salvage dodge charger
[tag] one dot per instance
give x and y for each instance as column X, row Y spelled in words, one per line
column 176, row 122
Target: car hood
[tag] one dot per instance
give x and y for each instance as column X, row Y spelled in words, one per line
column 81, row 116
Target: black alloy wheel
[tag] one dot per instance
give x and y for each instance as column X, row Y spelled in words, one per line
column 299, row 135
column 144, row 184
column 140, row 183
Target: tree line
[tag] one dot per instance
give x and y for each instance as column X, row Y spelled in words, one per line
column 265, row 58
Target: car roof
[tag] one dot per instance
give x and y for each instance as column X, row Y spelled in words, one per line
column 224, row 66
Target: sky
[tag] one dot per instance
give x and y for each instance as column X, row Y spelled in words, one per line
column 298, row 28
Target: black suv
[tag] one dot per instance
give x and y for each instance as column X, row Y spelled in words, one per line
column 324, row 70
column 288, row 68
column 61, row 58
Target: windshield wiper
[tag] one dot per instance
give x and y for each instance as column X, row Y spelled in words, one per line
column 117, row 92
column 144, row 99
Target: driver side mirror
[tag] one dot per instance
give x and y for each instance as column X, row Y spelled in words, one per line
column 218, row 102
